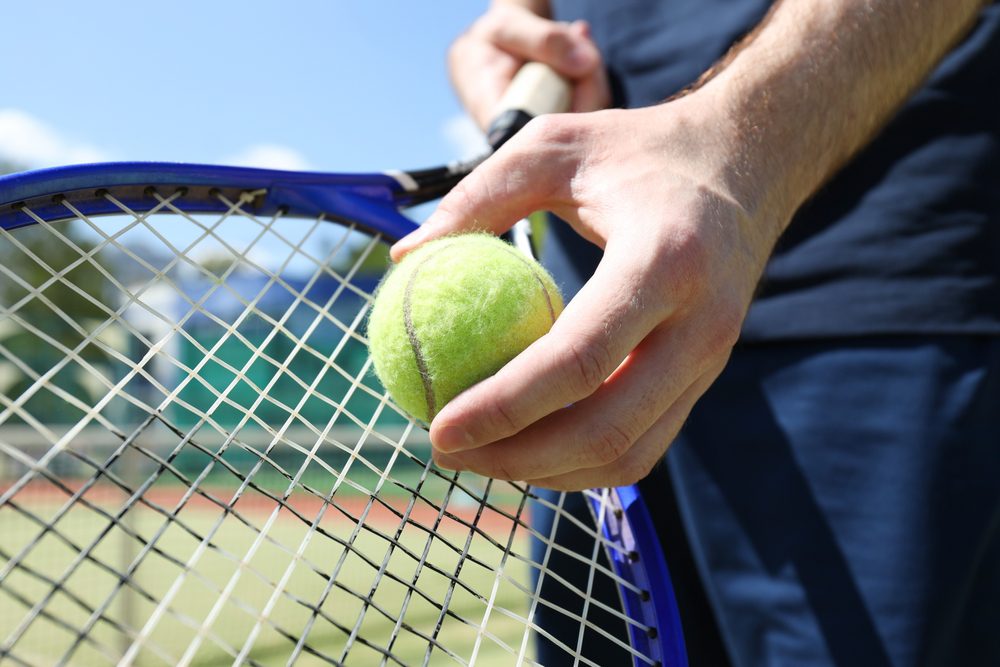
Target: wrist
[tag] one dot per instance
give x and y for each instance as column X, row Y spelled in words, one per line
column 701, row 131
column 768, row 135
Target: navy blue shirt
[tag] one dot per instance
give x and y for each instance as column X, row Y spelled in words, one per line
column 905, row 239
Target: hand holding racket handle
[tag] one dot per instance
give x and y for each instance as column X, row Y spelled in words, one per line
column 535, row 90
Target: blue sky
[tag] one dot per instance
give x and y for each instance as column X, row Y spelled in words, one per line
column 334, row 85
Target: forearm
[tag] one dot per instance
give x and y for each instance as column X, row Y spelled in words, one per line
column 815, row 82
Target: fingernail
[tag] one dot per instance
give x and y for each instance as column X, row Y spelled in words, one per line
column 447, row 462
column 451, row 438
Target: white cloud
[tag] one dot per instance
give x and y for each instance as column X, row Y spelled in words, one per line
column 464, row 138
column 269, row 156
column 28, row 142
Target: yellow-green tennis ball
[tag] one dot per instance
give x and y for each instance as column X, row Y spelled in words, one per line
column 451, row 314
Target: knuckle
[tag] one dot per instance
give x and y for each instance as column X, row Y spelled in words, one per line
column 729, row 325
column 554, row 42
column 499, row 420
column 609, row 444
column 634, row 470
column 501, row 25
column 589, row 364
column 461, row 208
column 487, row 25
column 500, row 470
column 544, row 156
column 550, row 129
column 692, row 257
column 722, row 331
column 457, row 201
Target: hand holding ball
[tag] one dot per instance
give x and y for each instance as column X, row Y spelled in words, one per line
column 453, row 313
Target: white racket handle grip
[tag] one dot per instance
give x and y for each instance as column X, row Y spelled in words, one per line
column 537, row 89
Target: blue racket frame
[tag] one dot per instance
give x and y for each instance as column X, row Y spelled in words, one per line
column 627, row 523
column 372, row 201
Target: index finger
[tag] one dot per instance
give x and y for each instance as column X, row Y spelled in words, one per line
column 610, row 316
column 520, row 178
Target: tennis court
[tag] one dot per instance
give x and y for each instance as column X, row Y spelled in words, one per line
column 199, row 574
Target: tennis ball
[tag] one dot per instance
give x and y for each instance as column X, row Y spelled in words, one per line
column 451, row 314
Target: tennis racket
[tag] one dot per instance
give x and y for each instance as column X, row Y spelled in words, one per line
column 197, row 465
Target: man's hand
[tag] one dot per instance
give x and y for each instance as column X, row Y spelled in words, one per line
column 597, row 400
column 484, row 59
column 687, row 199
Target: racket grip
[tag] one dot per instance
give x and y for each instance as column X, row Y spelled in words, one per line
column 535, row 90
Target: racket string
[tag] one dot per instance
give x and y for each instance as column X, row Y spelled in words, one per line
column 261, row 394
column 214, row 472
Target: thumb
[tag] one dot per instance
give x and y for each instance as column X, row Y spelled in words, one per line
column 566, row 47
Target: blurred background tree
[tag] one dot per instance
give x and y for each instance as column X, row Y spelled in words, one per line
column 32, row 296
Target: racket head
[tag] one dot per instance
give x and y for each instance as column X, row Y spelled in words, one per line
column 139, row 465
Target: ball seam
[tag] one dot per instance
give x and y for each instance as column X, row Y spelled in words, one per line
column 411, row 330
column 411, row 333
